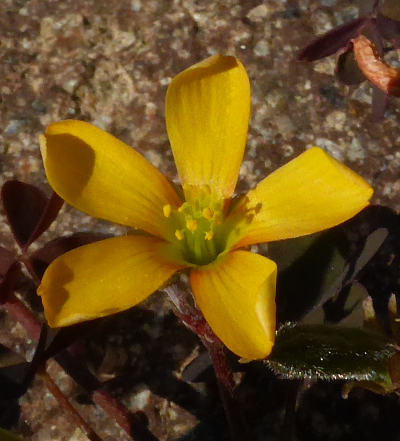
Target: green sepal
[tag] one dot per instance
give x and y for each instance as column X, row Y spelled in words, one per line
column 330, row 353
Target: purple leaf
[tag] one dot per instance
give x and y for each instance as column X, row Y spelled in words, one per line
column 388, row 28
column 40, row 259
column 29, row 212
column 24, row 205
column 334, row 40
column 50, row 212
column 347, row 69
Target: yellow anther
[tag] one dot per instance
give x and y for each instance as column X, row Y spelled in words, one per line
column 209, row 235
column 191, row 225
column 166, row 210
column 179, row 234
column 207, row 213
column 181, row 208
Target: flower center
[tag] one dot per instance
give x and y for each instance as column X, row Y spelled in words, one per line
column 196, row 228
column 205, row 225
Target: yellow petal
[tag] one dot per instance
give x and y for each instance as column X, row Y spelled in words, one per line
column 207, row 114
column 100, row 175
column 103, row 278
column 237, row 298
column 311, row 193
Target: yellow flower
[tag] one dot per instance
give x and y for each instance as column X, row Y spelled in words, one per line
column 207, row 114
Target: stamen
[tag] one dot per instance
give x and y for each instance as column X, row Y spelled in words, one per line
column 179, row 234
column 195, row 227
column 166, row 210
column 209, row 235
column 207, row 213
column 191, row 225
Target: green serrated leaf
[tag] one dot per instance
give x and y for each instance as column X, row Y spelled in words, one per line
column 330, row 353
column 5, row 435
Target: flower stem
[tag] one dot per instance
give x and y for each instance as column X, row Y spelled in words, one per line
column 237, row 425
column 194, row 320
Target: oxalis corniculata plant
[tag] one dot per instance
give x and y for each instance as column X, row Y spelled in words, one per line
column 192, row 243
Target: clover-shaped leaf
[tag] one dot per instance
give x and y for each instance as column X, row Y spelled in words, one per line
column 28, row 210
column 332, row 41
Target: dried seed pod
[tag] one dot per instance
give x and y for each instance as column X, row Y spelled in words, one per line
column 376, row 70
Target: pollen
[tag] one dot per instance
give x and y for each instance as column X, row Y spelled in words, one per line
column 179, row 234
column 166, row 210
column 209, row 235
column 207, row 213
column 191, row 225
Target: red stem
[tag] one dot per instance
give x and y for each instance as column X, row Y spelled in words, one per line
column 194, row 320
column 66, row 405
column 22, row 313
column 113, row 408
